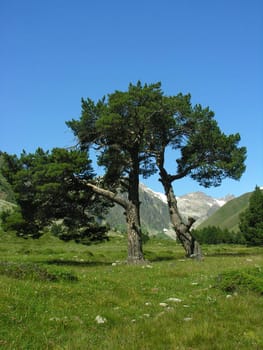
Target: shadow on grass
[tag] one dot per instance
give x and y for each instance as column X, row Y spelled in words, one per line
column 234, row 254
column 155, row 257
column 77, row 263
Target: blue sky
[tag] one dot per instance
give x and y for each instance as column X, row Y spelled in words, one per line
column 54, row 52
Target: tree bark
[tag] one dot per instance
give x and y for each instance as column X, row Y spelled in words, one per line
column 191, row 246
column 131, row 207
column 135, row 251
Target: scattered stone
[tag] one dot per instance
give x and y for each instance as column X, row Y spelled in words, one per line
column 163, row 304
column 229, row 296
column 148, row 303
column 194, row 284
column 187, row 319
column 99, row 319
column 175, row 300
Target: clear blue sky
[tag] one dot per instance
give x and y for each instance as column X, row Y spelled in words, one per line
column 54, row 52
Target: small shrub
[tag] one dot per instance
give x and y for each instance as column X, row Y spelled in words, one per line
column 33, row 272
column 249, row 279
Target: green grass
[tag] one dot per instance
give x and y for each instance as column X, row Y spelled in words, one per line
column 51, row 293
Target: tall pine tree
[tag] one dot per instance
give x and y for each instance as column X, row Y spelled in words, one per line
column 251, row 220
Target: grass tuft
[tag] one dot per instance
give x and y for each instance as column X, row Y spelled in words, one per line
column 249, row 279
column 34, row 272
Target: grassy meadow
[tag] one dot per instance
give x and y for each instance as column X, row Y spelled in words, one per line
column 56, row 295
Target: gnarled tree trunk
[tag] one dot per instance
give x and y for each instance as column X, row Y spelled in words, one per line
column 191, row 246
column 135, row 251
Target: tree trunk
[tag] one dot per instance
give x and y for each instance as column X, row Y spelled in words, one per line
column 191, row 246
column 135, row 252
column 131, row 207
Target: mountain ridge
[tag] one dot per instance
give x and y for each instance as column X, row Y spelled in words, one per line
column 154, row 210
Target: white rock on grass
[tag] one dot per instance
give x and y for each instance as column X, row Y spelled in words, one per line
column 175, row 300
column 100, row 320
column 163, row 304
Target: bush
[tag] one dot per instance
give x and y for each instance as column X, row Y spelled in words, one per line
column 94, row 233
column 249, row 279
column 12, row 221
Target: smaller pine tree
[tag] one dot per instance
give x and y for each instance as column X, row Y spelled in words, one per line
column 251, row 220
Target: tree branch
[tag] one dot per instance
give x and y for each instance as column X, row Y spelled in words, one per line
column 108, row 194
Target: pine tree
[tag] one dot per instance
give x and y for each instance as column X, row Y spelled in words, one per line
column 201, row 151
column 46, row 189
column 251, row 220
column 117, row 127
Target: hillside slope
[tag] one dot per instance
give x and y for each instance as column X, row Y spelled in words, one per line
column 6, row 192
column 228, row 215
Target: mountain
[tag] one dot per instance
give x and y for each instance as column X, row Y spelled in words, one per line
column 199, row 206
column 7, row 197
column 155, row 215
column 228, row 215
